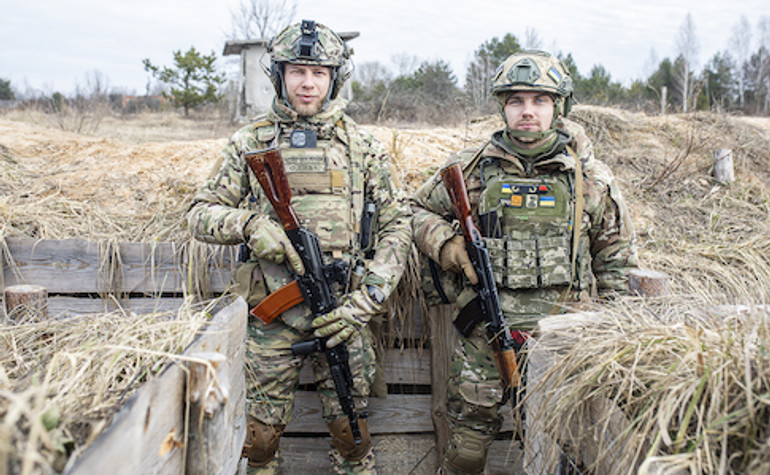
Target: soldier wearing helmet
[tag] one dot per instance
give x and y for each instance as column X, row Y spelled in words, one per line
column 556, row 228
column 335, row 170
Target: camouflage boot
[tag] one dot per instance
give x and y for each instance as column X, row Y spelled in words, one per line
column 467, row 451
column 340, row 466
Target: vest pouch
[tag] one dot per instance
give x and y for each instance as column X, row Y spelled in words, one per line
column 496, row 251
column 328, row 216
column 554, row 260
column 521, row 264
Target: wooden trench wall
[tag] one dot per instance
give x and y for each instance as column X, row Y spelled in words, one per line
column 409, row 426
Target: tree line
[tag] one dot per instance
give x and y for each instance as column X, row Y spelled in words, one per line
column 736, row 79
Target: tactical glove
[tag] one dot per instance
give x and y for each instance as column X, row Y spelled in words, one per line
column 267, row 240
column 349, row 318
column 454, row 257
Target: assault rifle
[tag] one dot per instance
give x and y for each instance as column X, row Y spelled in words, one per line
column 486, row 306
column 314, row 287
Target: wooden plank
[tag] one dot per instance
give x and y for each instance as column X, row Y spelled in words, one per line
column 395, row 414
column 148, row 434
column 59, row 307
column 75, row 266
column 408, row 366
column 444, row 340
column 398, row 413
column 414, row 454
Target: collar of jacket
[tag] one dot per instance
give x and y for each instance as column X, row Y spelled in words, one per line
column 322, row 123
column 556, row 157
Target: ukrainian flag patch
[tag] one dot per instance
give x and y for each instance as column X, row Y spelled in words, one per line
column 506, row 189
column 548, row 201
column 554, row 74
column 498, row 72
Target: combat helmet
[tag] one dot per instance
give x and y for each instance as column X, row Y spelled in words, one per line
column 533, row 70
column 313, row 44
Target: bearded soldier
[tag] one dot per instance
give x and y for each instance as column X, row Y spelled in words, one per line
column 554, row 224
column 335, row 171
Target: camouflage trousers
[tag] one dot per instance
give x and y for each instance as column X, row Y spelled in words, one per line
column 272, row 378
column 475, row 395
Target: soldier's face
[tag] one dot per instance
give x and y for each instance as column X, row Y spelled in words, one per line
column 529, row 111
column 307, row 87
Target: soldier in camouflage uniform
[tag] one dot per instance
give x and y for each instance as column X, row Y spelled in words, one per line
column 526, row 185
column 335, row 170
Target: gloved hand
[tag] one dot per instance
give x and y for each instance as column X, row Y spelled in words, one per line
column 267, row 240
column 346, row 320
column 454, row 257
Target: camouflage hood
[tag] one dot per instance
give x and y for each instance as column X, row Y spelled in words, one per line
column 569, row 133
column 323, row 122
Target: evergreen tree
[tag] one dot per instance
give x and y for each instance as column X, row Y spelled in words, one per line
column 193, row 79
column 6, row 93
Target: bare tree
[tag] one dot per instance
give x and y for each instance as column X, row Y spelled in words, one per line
column 372, row 72
column 763, row 26
column 740, row 44
column 651, row 65
column 405, row 63
column 687, row 46
column 532, row 39
column 261, row 18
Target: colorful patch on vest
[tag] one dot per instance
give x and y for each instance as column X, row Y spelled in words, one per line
column 547, row 201
column 554, row 75
column 506, row 189
column 516, row 201
column 532, row 201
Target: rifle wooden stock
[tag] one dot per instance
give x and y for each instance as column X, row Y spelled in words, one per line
column 487, row 302
column 267, row 165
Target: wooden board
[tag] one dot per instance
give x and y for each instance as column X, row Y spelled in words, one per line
column 407, row 366
column 72, row 266
column 395, row 414
column 413, row 454
column 72, row 306
column 147, row 435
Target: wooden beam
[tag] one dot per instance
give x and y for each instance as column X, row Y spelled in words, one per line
column 408, row 366
column 413, row 454
column 72, row 266
column 148, row 434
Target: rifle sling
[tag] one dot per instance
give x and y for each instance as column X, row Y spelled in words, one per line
column 278, row 302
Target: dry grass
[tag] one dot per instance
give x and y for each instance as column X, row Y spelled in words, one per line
column 63, row 380
column 692, row 382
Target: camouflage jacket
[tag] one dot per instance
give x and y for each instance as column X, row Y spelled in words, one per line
column 225, row 202
column 607, row 250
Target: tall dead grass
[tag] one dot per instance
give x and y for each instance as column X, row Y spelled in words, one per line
column 63, row 380
column 692, row 383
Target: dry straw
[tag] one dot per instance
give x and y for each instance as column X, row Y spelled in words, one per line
column 61, row 381
column 691, row 382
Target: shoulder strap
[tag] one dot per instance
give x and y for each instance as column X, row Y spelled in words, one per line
column 578, row 214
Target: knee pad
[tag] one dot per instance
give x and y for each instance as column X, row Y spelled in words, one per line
column 467, row 452
column 342, row 439
column 261, row 442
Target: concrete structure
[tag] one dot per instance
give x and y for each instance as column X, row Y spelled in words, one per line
column 255, row 92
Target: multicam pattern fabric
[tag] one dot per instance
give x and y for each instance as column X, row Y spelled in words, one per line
column 607, row 252
column 329, row 49
column 607, row 237
column 330, row 184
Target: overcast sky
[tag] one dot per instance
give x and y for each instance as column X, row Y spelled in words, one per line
column 52, row 45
